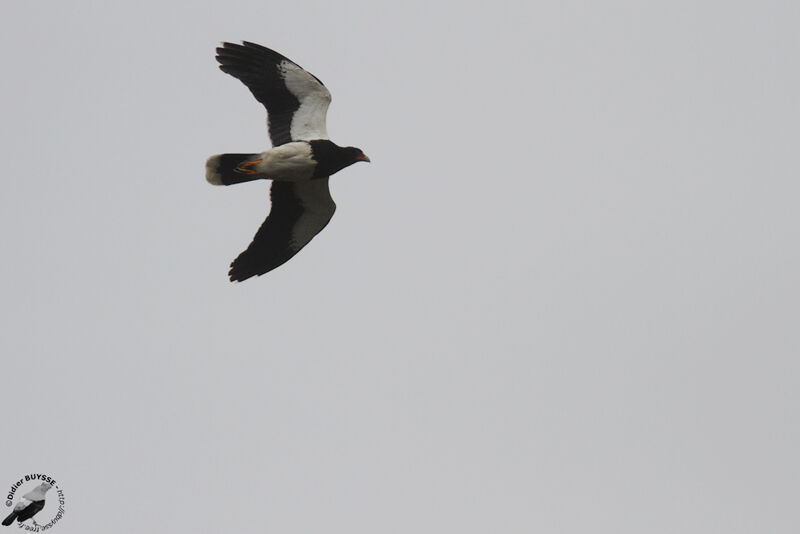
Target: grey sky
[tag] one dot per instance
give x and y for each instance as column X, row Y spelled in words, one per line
column 562, row 298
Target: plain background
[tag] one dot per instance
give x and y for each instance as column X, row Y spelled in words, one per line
column 562, row 298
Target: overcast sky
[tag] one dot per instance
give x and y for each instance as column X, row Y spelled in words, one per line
column 563, row 297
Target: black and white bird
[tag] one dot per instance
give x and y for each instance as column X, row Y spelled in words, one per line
column 29, row 505
column 299, row 164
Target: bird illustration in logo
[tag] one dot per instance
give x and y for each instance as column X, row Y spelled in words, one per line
column 30, row 504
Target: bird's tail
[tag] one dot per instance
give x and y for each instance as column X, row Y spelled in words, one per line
column 229, row 169
column 10, row 519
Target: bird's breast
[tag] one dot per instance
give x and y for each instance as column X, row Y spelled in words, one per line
column 291, row 162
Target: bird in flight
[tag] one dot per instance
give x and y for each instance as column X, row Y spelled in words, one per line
column 29, row 505
column 299, row 163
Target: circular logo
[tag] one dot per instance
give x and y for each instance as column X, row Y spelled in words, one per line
column 34, row 502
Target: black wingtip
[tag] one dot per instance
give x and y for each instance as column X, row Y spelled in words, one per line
column 239, row 271
column 237, row 275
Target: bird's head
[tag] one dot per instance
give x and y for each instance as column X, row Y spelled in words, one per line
column 356, row 154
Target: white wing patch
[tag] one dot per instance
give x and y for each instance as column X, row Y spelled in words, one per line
column 315, row 196
column 308, row 122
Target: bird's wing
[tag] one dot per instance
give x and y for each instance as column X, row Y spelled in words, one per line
column 295, row 99
column 300, row 210
column 31, row 510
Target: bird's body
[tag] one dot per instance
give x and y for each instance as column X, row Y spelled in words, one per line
column 297, row 161
column 29, row 505
column 299, row 164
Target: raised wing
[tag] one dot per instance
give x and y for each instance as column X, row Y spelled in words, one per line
column 300, row 210
column 296, row 100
